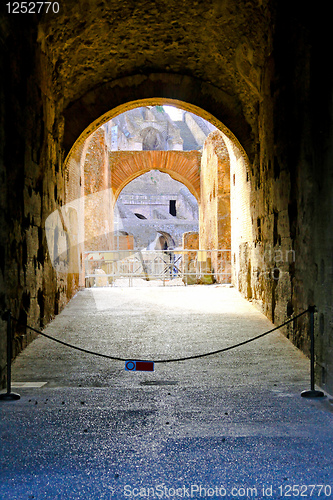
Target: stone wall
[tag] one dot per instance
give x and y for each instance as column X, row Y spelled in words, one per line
column 3, row 205
column 241, row 222
column 32, row 184
column 303, row 94
column 74, row 195
column 215, row 215
column 285, row 262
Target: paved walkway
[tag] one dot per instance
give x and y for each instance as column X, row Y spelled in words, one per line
column 231, row 425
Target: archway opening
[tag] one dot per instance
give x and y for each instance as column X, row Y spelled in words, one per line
column 154, row 204
column 164, row 136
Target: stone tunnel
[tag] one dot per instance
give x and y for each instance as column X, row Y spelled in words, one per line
column 253, row 69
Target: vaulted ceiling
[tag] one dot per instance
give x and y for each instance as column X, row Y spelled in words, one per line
column 99, row 54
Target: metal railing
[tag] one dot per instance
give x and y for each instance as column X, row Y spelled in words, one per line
column 104, row 268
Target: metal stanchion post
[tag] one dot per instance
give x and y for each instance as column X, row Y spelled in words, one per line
column 9, row 395
column 312, row 393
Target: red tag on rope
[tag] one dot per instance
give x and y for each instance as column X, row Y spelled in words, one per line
column 139, row 366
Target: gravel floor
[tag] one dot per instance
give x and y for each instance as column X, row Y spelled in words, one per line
column 230, row 425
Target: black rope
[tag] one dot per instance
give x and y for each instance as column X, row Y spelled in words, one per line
column 70, row 345
column 196, row 356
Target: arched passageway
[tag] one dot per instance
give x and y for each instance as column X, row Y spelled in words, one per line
column 65, row 76
column 258, row 72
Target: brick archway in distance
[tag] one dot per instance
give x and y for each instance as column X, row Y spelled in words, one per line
column 183, row 166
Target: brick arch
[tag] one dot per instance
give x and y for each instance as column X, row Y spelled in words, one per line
column 183, row 166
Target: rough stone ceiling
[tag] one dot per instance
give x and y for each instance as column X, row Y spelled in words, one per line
column 224, row 42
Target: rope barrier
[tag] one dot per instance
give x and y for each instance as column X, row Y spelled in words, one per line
column 196, row 356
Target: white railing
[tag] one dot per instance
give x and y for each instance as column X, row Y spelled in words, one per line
column 103, row 268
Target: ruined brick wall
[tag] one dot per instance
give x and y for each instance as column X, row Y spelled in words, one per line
column 98, row 198
column 208, row 220
column 214, row 208
column 215, row 230
column 190, row 241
